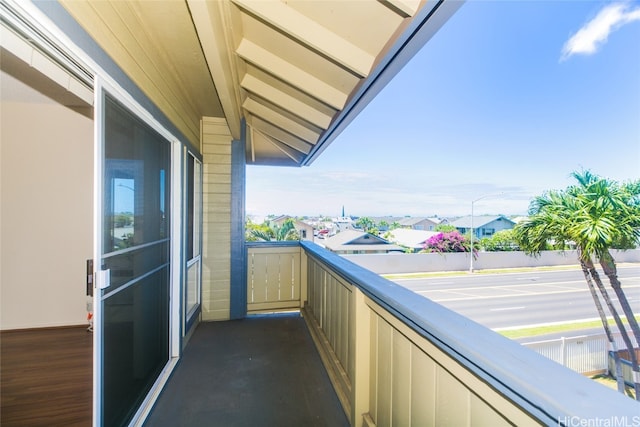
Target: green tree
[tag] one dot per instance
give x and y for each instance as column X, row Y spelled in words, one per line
column 270, row 231
column 596, row 215
column 500, row 241
column 444, row 228
column 252, row 230
column 367, row 225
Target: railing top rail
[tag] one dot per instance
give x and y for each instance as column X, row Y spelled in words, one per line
column 274, row 244
column 545, row 389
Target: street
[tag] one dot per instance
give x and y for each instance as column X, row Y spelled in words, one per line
column 523, row 299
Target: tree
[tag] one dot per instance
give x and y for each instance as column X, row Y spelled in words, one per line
column 269, row 231
column 451, row 241
column 596, row 215
column 367, row 225
column 445, row 228
column 500, row 241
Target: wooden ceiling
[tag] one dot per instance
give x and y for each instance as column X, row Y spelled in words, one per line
column 293, row 72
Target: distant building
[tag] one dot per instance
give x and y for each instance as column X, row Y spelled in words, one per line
column 483, row 225
column 342, row 223
column 418, row 223
column 359, row 242
column 305, row 231
column 412, row 239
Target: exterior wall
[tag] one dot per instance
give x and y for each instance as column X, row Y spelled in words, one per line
column 417, row 263
column 46, row 214
column 216, row 227
column 495, row 226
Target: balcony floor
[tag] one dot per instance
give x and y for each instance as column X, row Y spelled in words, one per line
column 260, row 371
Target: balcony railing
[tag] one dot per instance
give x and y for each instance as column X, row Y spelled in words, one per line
column 396, row 358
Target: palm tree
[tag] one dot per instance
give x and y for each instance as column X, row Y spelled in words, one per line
column 595, row 215
column 276, row 232
column 610, row 217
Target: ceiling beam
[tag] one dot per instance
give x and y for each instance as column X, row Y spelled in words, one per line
column 281, row 135
column 281, row 121
column 404, row 8
column 292, row 75
column 291, row 153
column 208, row 18
column 290, row 103
column 310, row 33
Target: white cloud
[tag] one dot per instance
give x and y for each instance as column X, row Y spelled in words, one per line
column 588, row 39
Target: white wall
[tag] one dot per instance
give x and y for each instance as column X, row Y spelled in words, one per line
column 46, row 205
column 418, row 263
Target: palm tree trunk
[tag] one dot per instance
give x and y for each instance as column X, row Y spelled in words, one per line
column 609, row 267
column 621, row 327
column 607, row 330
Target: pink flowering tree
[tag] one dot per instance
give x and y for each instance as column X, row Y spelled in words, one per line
column 450, row 241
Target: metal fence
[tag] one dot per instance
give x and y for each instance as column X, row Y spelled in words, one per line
column 586, row 354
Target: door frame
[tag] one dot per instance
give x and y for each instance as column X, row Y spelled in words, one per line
column 102, row 86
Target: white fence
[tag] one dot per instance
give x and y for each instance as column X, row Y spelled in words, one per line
column 418, row 263
column 587, row 354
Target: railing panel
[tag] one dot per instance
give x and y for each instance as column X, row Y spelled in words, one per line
column 416, row 384
column 273, row 277
column 405, row 360
column 330, row 307
column 584, row 354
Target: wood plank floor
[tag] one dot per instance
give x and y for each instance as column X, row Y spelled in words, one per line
column 46, row 377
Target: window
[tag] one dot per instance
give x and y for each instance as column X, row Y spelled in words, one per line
column 193, row 196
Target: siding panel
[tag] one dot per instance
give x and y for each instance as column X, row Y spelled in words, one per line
column 216, row 148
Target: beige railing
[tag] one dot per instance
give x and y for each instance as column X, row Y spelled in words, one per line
column 274, row 277
column 397, row 359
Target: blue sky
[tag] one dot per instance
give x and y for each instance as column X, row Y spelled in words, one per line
column 505, row 101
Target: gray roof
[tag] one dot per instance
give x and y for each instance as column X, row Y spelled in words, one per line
column 415, row 220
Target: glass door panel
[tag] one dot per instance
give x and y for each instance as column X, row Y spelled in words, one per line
column 134, row 305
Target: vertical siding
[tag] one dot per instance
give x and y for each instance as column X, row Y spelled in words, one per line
column 413, row 383
column 273, row 278
column 216, row 228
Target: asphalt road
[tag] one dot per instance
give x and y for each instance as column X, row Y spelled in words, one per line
column 523, row 299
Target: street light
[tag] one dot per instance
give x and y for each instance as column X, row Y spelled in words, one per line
column 471, row 243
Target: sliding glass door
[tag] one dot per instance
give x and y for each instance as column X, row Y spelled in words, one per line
column 134, row 252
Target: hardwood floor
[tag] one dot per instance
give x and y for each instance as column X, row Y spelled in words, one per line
column 46, row 377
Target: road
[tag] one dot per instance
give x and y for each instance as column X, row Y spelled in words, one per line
column 522, row 299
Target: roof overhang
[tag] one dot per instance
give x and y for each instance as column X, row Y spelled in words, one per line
column 289, row 76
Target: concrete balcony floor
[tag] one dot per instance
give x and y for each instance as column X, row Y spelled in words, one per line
column 259, row 371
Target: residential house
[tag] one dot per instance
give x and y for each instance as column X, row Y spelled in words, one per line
column 483, row 225
column 418, row 223
column 157, row 109
column 359, row 242
column 305, row 231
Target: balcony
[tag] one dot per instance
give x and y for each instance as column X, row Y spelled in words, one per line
column 392, row 357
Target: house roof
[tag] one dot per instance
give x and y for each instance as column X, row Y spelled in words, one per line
column 282, row 218
column 358, row 240
column 411, row 238
column 478, row 221
column 286, row 76
column 414, row 220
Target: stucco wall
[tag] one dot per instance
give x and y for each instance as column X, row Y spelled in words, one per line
column 46, row 204
column 416, row 263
